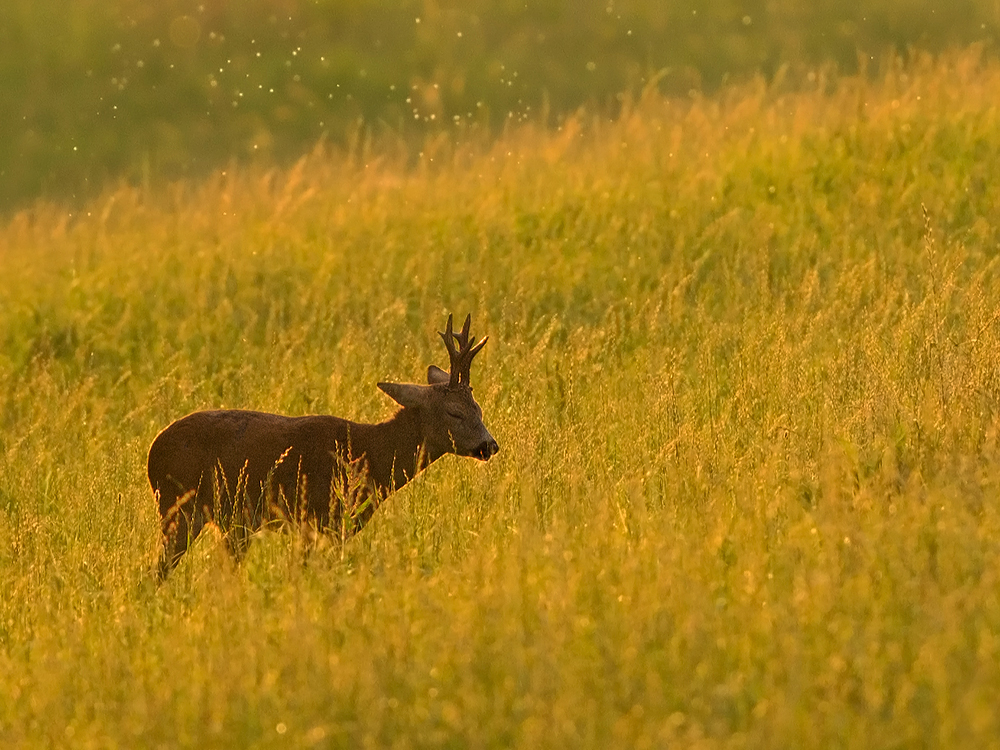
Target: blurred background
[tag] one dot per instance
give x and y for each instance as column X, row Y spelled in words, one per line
column 102, row 90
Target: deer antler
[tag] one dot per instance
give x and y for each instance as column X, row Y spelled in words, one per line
column 461, row 359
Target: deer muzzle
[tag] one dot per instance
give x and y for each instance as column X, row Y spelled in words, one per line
column 486, row 449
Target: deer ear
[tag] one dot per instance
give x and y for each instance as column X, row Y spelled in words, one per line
column 437, row 376
column 405, row 394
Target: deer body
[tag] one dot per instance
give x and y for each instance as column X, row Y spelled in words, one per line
column 241, row 469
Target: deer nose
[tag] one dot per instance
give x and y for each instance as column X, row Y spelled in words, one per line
column 486, row 449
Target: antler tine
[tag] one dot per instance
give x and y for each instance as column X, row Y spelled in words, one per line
column 463, row 337
column 447, row 336
column 461, row 358
column 453, row 355
column 475, row 350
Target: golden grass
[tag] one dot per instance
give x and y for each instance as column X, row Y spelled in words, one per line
column 745, row 392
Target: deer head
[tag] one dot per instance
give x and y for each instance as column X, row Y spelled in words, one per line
column 450, row 418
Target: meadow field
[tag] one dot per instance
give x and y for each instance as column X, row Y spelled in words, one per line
column 743, row 370
column 155, row 91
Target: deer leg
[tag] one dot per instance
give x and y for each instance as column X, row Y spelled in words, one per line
column 308, row 539
column 181, row 523
column 238, row 542
column 241, row 520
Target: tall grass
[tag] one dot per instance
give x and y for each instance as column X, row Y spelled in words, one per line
column 742, row 369
column 99, row 89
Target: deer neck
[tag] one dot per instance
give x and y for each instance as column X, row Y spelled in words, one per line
column 396, row 453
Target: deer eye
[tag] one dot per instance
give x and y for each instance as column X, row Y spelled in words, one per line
column 454, row 414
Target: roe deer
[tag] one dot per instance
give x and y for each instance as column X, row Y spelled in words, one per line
column 242, row 469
